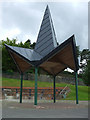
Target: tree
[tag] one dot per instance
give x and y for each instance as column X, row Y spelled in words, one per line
column 84, row 57
column 33, row 45
column 7, row 62
column 27, row 44
column 85, row 65
column 78, row 51
column 86, row 74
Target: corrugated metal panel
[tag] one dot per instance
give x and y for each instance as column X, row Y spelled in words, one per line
column 46, row 36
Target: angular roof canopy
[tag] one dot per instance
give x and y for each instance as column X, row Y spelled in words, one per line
column 47, row 54
column 23, row 57
column 60, row 58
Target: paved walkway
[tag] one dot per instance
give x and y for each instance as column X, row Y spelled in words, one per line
column 44, row 109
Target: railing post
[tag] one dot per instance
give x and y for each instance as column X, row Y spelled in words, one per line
column 76, row 82
column 54, row 89
column 21, row 87
column 36, row 74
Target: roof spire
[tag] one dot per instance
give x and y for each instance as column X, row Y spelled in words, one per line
column 46, row 40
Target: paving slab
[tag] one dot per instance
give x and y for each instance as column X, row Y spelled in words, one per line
column 44, row 109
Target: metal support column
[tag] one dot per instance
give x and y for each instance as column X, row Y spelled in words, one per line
column 54, row 90
column 21, row 87
column 76, row 82
column 36, row 75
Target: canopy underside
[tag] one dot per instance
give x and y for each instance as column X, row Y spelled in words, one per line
column 21, row 64
column 59, row 59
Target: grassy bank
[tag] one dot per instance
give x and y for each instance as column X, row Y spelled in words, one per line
column 82, row 90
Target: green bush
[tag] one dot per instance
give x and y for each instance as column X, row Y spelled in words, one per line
column 86, row 74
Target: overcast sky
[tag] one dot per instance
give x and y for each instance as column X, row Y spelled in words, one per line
column 23, row 19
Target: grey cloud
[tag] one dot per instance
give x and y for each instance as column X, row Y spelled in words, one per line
column 67, row 18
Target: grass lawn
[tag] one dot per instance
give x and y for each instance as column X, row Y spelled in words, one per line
column 82, row 90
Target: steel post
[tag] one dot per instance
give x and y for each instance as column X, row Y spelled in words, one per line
column 21, row 87
column 54, row 89
column 76, row 82
column 36, row 74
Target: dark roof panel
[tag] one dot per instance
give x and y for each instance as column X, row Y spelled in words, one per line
column 24, row 52
column 50, row 45
column 43, row 37
column 44, row 41
column 44, row 26
column 46, row 30
column 48, row 48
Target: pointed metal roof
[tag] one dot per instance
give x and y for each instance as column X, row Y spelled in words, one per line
column 46, row 40
column 47, row 54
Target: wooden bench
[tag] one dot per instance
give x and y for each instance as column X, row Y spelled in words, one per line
column 43, row 92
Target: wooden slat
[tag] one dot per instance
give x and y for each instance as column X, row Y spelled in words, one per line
column 65, row 56
column 21, row 63
column 52, row 67
column 60, row 61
